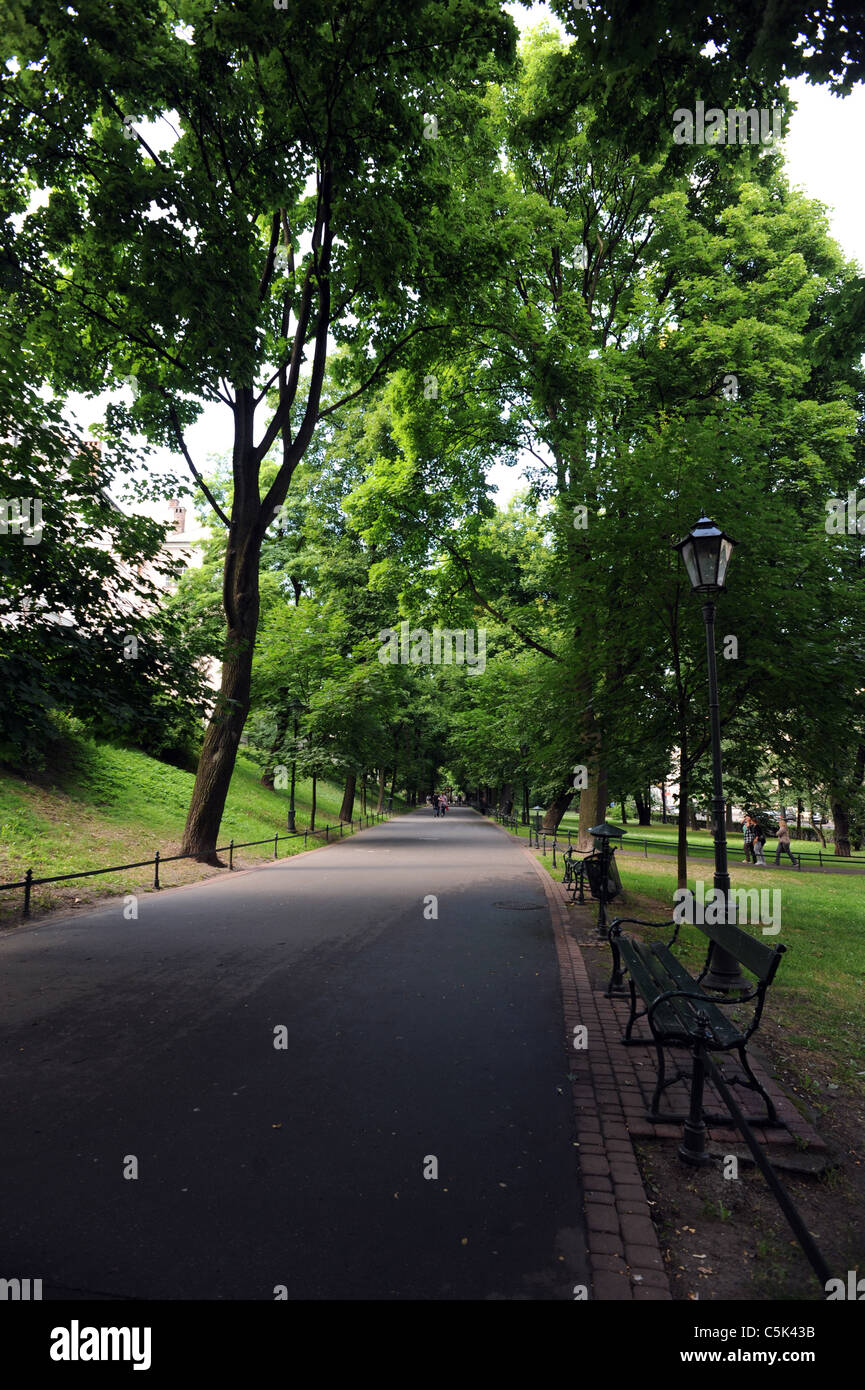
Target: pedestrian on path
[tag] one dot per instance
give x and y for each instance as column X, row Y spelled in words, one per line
column 435, row 803
column 759, row 842
column 783, row 842
column 749, row 831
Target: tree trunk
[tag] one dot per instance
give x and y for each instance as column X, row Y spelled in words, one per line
column 644, row 808
column 525, row 803
column 818, row 829
column 841, row 817
column 593, row 807
column 507, row 798
column 363, row 793
column 799, row 809
column 381, row 776
column 692, row 815
column 728, row 815
column 557, row 808
column 663, row 803
column 219, row 750
column 682, row 837
column 623, row 799
column 347, row 807
column 312, row 813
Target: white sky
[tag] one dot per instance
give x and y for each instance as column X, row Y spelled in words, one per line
column 822, row 154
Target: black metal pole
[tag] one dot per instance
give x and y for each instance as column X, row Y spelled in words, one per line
column 291, row 825
column 724, row 973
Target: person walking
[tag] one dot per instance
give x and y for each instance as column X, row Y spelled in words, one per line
column 749, row 831
column 435, row 802
column 759, row 842
column 443, row 804
column 783, row 842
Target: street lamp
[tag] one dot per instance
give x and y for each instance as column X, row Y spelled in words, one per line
column 537, row 812
column 292, row 829
column 608, row 883
column 706, row 552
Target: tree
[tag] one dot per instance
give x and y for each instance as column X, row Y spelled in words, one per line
column 299, row 200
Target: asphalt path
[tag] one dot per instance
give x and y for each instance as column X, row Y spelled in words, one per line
column 409, row 1038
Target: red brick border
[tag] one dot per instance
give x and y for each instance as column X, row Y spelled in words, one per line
column 623, row 1247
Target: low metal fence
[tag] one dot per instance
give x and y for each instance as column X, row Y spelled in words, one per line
column 823, row 858
column 28, row 882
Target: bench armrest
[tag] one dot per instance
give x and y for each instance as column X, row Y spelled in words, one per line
column 616, row 926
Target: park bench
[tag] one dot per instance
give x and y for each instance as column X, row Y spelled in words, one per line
column 680, row 1013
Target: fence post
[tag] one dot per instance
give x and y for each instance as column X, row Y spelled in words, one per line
column 305, row 833
column 275, row 844
column 340, row 830
column 820, row 857
column 327, row 834
column 231, row 855
column 554, row 853
column 156, row 870
column 544, row 850
column 28, row 884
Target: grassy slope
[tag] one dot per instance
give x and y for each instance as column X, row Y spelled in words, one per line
column 817, row 994
column 107, row 805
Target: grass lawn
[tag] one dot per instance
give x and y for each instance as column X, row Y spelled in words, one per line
column 817, row 994
column 108, row 805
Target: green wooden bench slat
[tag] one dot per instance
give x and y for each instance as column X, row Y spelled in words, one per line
column 654, row 970
column 756, row 956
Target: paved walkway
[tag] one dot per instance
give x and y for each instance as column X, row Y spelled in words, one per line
column 411, row 1041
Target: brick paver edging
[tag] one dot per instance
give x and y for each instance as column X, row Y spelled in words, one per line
column 623, row 1246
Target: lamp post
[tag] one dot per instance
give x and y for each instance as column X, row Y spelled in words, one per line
column 607, row 885
column 706, row 552
column 536, row 810
column 291, row 825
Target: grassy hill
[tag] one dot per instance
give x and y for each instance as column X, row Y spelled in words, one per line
column 97, row 804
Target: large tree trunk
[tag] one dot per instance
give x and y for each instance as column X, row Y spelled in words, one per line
column 623, row 801
column 644, row 807
column 347, row 807
column 682, row 837
column 663, row 803
column 692, row 815
column 593, row 806
column 841, row 818
column 507, row 798
column 557, row 808
column 219, row 751
column 381, row 777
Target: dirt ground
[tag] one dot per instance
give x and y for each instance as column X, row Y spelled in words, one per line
column 725, row 1238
